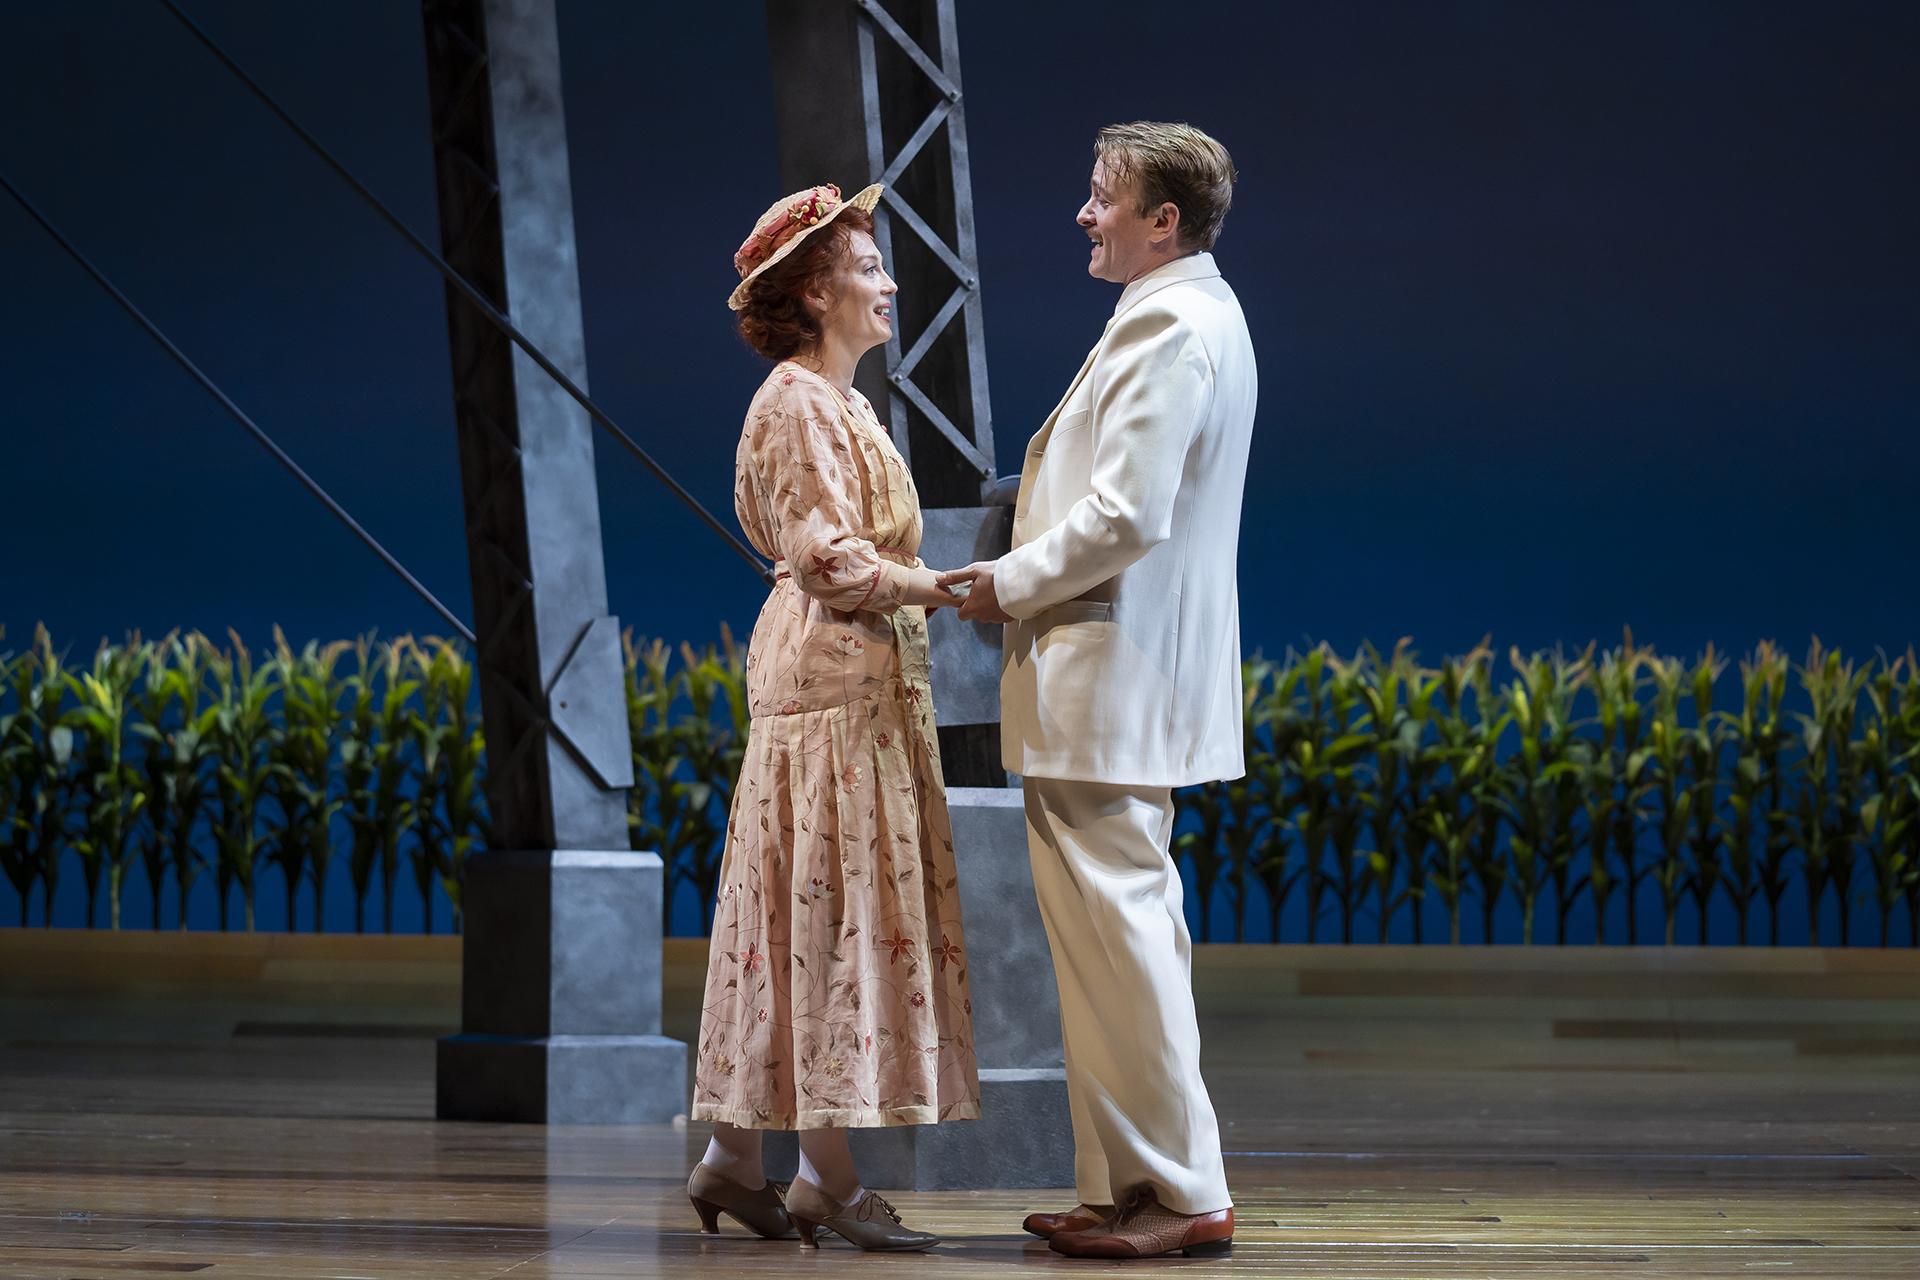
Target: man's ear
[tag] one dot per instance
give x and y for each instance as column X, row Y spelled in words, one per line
column 1166, row 223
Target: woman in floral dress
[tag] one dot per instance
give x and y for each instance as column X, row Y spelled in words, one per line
column 836, row 992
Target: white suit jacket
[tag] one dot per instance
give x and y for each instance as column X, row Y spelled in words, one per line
column 1123, row 662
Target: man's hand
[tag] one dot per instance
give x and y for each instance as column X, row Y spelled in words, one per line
column 923, row 590
column 981, row 603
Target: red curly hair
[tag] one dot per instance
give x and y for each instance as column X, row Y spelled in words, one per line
column 774, row 320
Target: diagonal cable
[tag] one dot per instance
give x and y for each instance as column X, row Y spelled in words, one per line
column 473, row 295
column 239, row 415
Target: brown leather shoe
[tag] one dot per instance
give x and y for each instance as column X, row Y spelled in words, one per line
column 872, row 1224
column 1078, row 1218
column 759, row 1211
column 1145, row 1228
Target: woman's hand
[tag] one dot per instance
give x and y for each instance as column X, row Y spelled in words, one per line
column 924, row 589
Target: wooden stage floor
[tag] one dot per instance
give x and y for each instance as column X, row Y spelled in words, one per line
column 261, row 1107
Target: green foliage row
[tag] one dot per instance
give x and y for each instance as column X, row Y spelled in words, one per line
column 185, row 759
column 180, row 758
column 1376, row 786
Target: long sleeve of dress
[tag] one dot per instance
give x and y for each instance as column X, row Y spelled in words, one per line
column 814, row 485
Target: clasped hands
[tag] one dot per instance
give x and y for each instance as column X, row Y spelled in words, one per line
column 978, row 603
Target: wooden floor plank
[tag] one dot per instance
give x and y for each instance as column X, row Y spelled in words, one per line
column 259, row 1111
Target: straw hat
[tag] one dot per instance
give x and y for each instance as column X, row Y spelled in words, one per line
column 791, row 220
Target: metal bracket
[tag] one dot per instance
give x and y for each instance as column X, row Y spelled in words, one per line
column 598, row 741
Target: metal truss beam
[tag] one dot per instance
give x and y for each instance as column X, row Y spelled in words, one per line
column 870, row 91
column 560, row 1008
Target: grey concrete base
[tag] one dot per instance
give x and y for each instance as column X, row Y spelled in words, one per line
column 561, row 1079
column 560, row 993
column 1016, row 1006
column 561, row 942
column 1023, row 1138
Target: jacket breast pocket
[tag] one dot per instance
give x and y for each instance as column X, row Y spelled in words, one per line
column 1071, row 422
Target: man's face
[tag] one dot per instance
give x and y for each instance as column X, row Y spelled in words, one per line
column 1125, row 243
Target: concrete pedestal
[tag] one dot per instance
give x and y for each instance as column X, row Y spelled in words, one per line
column 560, row 994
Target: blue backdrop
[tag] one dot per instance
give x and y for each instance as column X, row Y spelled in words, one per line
column 1569, row 316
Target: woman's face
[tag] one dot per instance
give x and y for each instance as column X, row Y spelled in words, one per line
column 857, row 308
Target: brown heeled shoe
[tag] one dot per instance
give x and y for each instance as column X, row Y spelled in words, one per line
column 1078, row 1218
column 761, row 1211
column 872, row 1224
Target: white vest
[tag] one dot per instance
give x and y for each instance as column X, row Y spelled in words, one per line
column 1123, row 664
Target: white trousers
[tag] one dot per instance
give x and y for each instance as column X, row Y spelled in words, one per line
column 1111, row 899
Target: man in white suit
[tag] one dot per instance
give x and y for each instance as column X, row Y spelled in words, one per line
column 1121, row 681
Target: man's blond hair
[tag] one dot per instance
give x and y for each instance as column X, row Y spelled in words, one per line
column 1171, row 163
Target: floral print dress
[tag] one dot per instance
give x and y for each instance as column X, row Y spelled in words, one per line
column 836, row 992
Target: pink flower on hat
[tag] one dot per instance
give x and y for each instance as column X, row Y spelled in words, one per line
column 782, row 227
column 782, row 223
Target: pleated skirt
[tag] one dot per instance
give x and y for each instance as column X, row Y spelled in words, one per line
column 836, row 992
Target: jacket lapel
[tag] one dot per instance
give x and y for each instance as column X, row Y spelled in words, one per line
column 1196, row 266
column 1038, row 445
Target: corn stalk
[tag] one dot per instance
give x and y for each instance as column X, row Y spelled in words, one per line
column 113, row 790
column 1399, row 703
column 1828, row 812
column 302, row 772
column 1618, row 785
column 1231, row 817
column 1546, row 789
column 1278, row 713
column 180, row 749
column 662, row 814
column 1248, row 803
column 1668, row 754
column 1344, row 758
column 1203, row 845
column 1702, row 745
column 376, row 764
column 1753, row 791
column 1449, row 815
column 1489, row 792
column 712, row 750
column 243, row 735
column 449, row 817
column 1887, row 749
column 40, row 684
